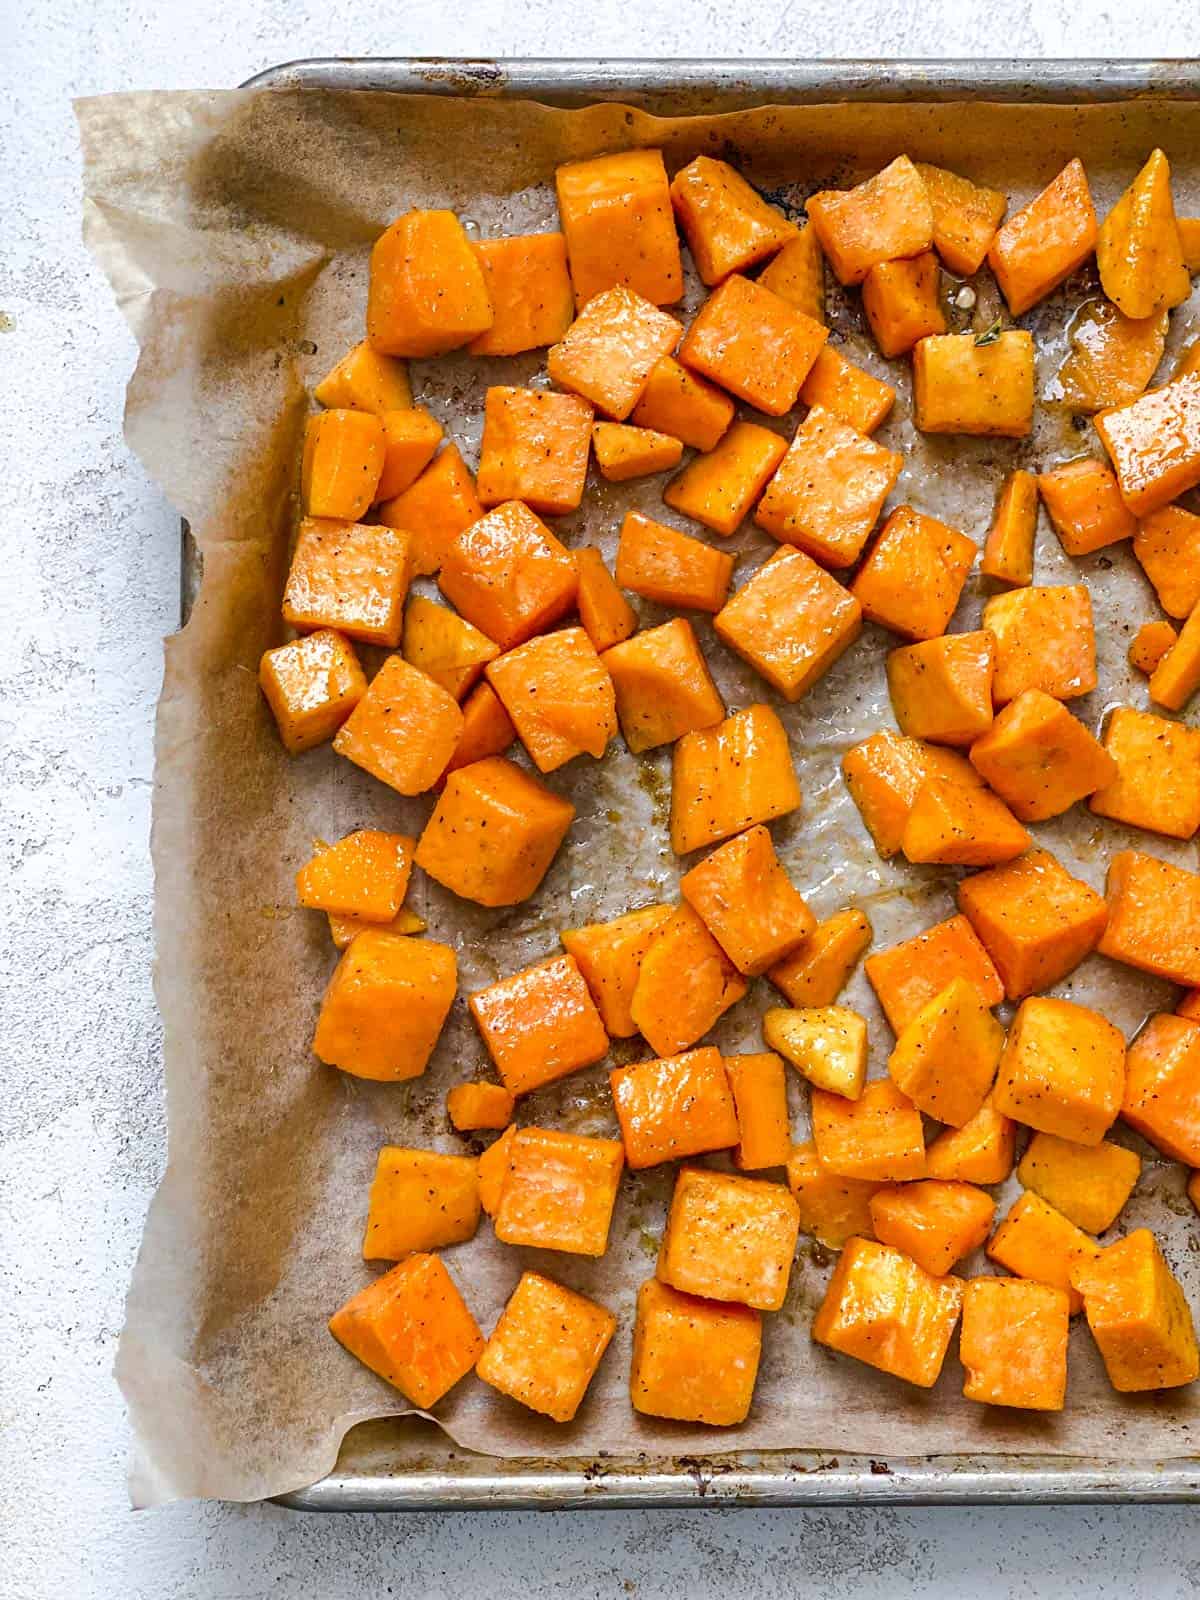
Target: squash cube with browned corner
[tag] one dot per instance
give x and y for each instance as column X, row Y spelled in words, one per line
column 539, row 1024
column 311, row 685
column 1045, row 639
column 623, row 452
column 886, row 217
column 1139, row 1316
column 686, row 984
column 342, row 462
column 1153, row 443
column 445, row 646
column 343, row 928
column 1034, row 919
column 817, row 972
column 1177, row 676
column 1085, row 506
column 684, row 405
column 1167, row 547
column 832, row 1209
column 609, row 351
column 1046, row 240
column 1008, row 548
column 878, row 1136
column 404, row 729
column 727, row 223
column 1013, row 1343
column 941, row 689
column 1062, row 1071
column 487, row 729
column 694, row 1360
column 620, row 229
column 729, row 1238
column 1150, row 644
column 1153, row 917
column 363, row 875
column 473, row 1106
column 909, row 975
column 1157, row 782
column 934, row 1222
column 902, row 301
column 535, row 448
column 669, row 568
column 884, row 775
column 953, row 824
column 1036, row 1241
column 945, row 1059
column 1162, row 1086
column 1088, row 1184
column 885, row 1310
column 544, row 1350
column 747, row 902
column 493, row 1169
column 1138, row 250
column 1039, row 758
column 797, row 274
column 754, row 344
column 365, row 380
column 759, row 1086
column 914, row 574
column 610, row 956
column 509, row 575
column 965, row 217
column 558, row 1191
column 829, row 489
column 435, row 509
column 791, row 621
column 663, row 686
column 427, row 293
column 673, row 1108
column 410, row 440
column 385, row 1005
column 559, row 695
column 968, row 384
column 347, row 576
column 1112, row 357
column 850, row 393
column 493, row 834
column 529, row 287
column 727, row 778
column 719, row 488
column 603, row 610
column 412, row 1328
column 981, row 1151
column 420, row 1200
column 826, row 1044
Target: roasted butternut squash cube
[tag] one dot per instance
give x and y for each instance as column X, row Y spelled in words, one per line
column 610, row 957
column 850, row 393
column 1008, row 549
column 797, row 274
column 962, row 384
column 754, row 344
column 1167, row 547
column 945, row 1059
column 311, row 685
column 539, row 1024
column 1046, row 240
column 487, row 729
column 472, row 1106
column 663, row 686
column 1139, row 1316
column 884, row 775
column 493, row 1169
column 342, row 463
column 719, row 488
column 981, row 1151
column 385, row 1005
column 1013, row 1343
column 1157, row 782
column 1189, row 1006
column 1045, row 639
column 885, row 1310
column 886, row 217
column 1189, row 242
column 530, row 290
column 671, row 569
column 791, row 621
column 902, row 300
column 1112, row 357
column 817, row 972
column 759, row 1088
column 826, row 1044
column 559, row 695
column 668, row 1109
column 445, row 646
column 1150, row 644
column 693, row 1360
column 941, row 689
column 509, row 575
column 684, row 405
column 427, row 293
column 603, row 609
column 1153, row 443
column 952, row 824
column 623, row 452
column 1085, row 506
column 934, row 1222
column 878, row 1136
column 619, row 226
column 914, row 574
column 1088, row 1184
column 1138, row 249
column 1177, row 677
column 1036, row 1241
column 607, row 354
column 420, row 1200
column 435, row 509
column 410, row 441
column 747, row 902
column 349, row 577
column 1039, row 758
column 727, row 778
column 535, row 448
column 1153, row 917
column 546, row 1347
column 404, row 729
column 727, row 223
column 1162, row 1086
column 911, row 974
column 559, row 1191
column 363, row 875
column 965, row 217
column 1062, row 1071
column 365, row 380
column 729, row 1238
column 412, row 1328
column 686, row 983
column 832, row 1209
column 1034, row 919
column 829, row 489
column 344, row 928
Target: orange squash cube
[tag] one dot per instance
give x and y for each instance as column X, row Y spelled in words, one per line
column 493, row 833
column 850, row 393
column 952, row 824
column 945, row 1059
column 385, row 1005
column 886, row 217
column 981, row 1151
column 1189, row 1006
column 343, row 928
column 1034, row 919
column 343, row 460
column 427, row 293
column 365, row 380
column 663, row 686
column 535, row 448
column 404, row 729
column 604, row 611
column 1153, row 443
column 748, row 903
column 1162, row 1086
column 1085, row 506
column 727, row 778
column 530, row 290
column 620, row 229
column 1045, row 241
column 1013, row 1343
column 1089, row 1185
column 1062, row 1071
column 311, row 685
column 1112, row 357
column 791, row 621
column 559, row 1191
column 832, row 1209
column 933, row 1222
column 1157, row 781
column 472, row 1106
column 1039, row 758
column 435, row 509
column 884, row 775
column 1045, row 639
column 487, row 729
column 668, row 1109
column 965, row 217
column 693, row 1360
column 817, row 972
column 727, row 223
column 1036, row 1241
column 348, row 577
column 1167, row 547
column 666, row 566
column 610, row 955
column 410, row 439
column 509, row 575
column 911, row 974
column 559, row 695
column 610, row 349
column 623, row 452
column 964, row 385
column 797, row 274
column 754, row 344
column 412, row 1328
column 941, row 689
column 1139, row 1316
column 363, row 875
column 1189, row 242
column 684, row 405
column 420, row 1200
column 1153, row 917
column 1150, row 644
column 1177, row 677
column 1008, row 549
column 759, row 1088
column 445, row 646
column 493, row 1169
column 879, row 1136
column 539, row 1024
column 546, row 1347
column 1138, row 249
column 885, row 1310
column 729, row 1238
column 826, row 1044
column 686, row 983
column 719, row 488
column 902, row 302
column 912, row 579
column 829, row 490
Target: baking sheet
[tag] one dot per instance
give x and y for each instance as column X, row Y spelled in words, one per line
column 235, row 229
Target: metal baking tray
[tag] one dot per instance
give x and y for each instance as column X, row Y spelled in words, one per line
column 368, row 1475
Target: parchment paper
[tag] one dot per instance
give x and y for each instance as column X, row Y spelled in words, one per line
column 235, row 229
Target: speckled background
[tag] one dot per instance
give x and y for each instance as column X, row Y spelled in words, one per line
column 90, row 584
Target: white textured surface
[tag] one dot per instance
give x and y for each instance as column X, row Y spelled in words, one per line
column 90, row 583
